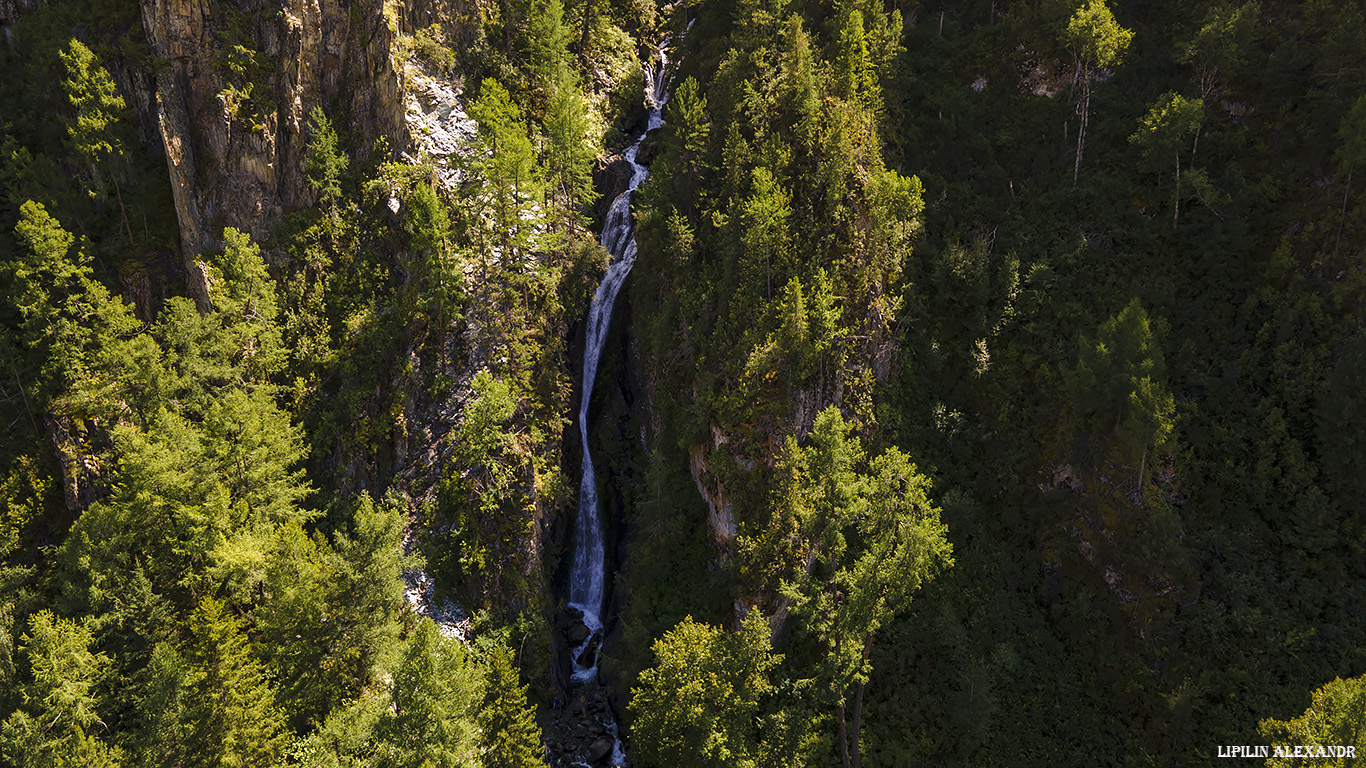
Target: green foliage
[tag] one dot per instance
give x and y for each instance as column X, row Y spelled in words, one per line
column 703, row 701
column 436, row 697
column 764, row 218
column 229, row 711
column 511, row 738
column 92, row 94
column 1119, row 384
column 1221, row 46
column 1336, row 718
column 508, row 164
column 65, row 316
column 490, row 511
column 325, row 162
column 334, row 609
column 1095, row 37
column 58, row 724
column 571, row 146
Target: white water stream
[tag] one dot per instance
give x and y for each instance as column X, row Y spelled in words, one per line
column 587, row 577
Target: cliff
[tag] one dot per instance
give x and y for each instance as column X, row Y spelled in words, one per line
column 234, row 96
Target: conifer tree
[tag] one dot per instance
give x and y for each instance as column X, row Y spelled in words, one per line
column 58, row 724
column 436, row 693
column 98, row 106
column 229, row 712
column 765, row 216
column 511, row 738
column 872, row 538
column 1120, row 384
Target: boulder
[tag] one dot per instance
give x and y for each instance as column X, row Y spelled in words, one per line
column 598, row 750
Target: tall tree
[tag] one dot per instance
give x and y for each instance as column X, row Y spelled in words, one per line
column 1120, row 384
column 98, row 106
column 872, row 538
column 1220, row 47
column 230, row 712
column 511, row 738
column 765, row 218
column 58, row 724
column 436, row 695
column 1097, row 42
column 1351, row 154
column 1162, row 135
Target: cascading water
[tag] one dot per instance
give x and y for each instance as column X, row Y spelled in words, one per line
column 618, row 237
column 586, row 579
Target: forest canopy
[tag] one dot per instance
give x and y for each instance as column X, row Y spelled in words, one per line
column 985, row 388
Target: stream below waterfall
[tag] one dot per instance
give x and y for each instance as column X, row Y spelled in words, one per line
column 587, row 576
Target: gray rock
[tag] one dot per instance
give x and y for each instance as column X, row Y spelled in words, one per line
column 598, row 750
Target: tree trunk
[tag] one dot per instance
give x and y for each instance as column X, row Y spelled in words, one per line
column 844, row 740
column 858, row 704
column 1081, row 129
column 589, row 16
column 1176, row 194
column 124, row 212
column 1343, row 218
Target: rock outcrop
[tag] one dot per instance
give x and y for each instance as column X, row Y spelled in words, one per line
column 234, row 98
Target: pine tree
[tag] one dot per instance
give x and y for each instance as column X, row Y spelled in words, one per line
column 98, row 106
column 58, row 724
column 872, row 538
column 511, row 738
column 571, row 147
column 1119, row 384
column 230, row 713
column 436, row 692
column 765, row 219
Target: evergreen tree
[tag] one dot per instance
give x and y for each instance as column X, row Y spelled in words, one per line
column 571, row 147
column 229, row 707
column 58, row 724
column 547, row 52
column 855, row 77
column 702, row 702
column 872, row 538
column 510, row 736
column 334, row 608
column 765, row 218
column 1120, row 384
column 325, row 162
column 436, row 694
column 98, row 107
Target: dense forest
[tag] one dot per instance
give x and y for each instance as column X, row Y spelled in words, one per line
column 935, row 423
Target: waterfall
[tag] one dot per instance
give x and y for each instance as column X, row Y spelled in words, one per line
column 618, row 237
column 587, row 576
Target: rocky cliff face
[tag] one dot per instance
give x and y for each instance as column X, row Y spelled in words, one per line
column 233, row 100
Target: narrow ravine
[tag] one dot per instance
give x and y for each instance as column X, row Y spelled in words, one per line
column 587, row 577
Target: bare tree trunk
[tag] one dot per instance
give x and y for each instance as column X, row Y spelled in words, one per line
column 1343, row 218
column 123, row 211
column 844, row 740
column 1081, row 129
column 1176, row 194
